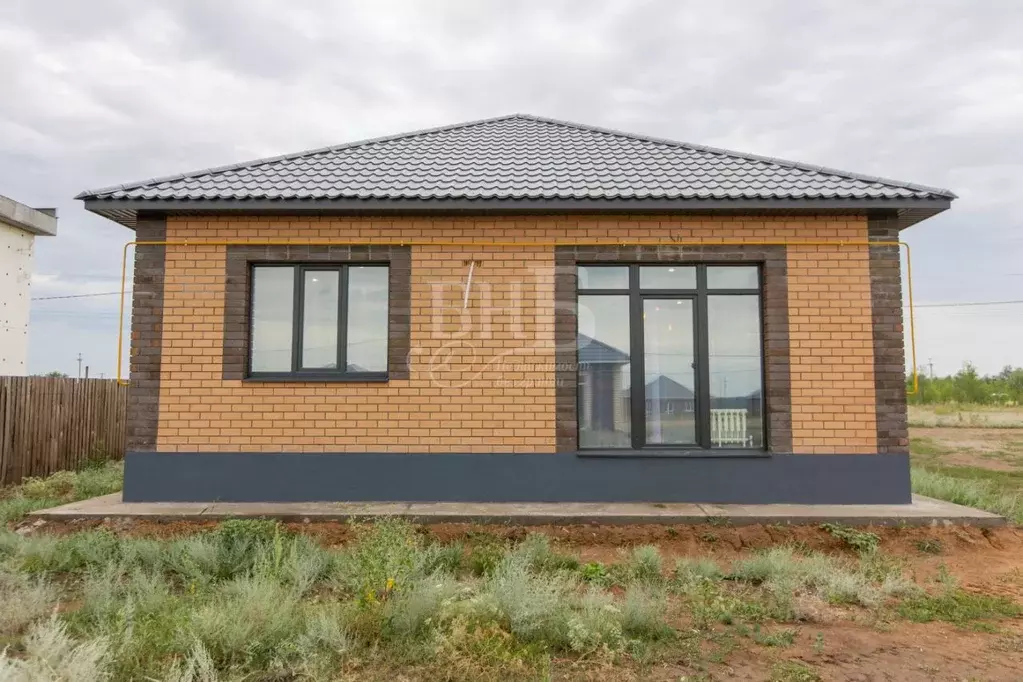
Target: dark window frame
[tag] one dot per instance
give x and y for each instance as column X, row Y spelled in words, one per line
column 637, row 357
column 297, row 372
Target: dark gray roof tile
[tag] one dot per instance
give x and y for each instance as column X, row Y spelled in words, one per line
column 517, row 157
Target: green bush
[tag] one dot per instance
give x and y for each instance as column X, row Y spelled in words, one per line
column 385, row 555
column 248, row 622
column 537, row 552
column 595, row 572
column 596, row 623
column 52, row 655
column 645, row 565
column 688, row 570
column 861, row 541
column 23, row 601
column 642, row 613
column 416, row 609
column 532, row 607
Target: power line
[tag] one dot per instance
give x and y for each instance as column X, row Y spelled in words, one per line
column 964, row 305
column 54, row 298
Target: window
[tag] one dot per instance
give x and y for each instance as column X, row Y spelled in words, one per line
column 319, row 322
column 670, row 356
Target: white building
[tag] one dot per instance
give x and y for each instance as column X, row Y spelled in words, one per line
column 19, row 226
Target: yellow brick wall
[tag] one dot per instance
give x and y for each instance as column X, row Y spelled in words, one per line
column 831, row 351
column 482, row 379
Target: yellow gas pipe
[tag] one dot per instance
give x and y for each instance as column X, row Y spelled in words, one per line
column 462, row 243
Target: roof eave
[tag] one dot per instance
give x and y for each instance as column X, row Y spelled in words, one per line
column 125, row 212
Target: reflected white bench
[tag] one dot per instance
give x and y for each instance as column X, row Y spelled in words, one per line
column 728, row 427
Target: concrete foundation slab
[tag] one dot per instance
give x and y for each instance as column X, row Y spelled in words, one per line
column 922, row 511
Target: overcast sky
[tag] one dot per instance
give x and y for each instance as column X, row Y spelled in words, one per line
column 109, row 91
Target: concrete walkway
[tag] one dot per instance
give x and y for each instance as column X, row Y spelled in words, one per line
column 923, row 511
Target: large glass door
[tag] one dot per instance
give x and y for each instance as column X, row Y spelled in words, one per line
column 670, row 357
column 669, row 371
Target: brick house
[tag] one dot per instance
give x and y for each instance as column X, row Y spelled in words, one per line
column 463, row 313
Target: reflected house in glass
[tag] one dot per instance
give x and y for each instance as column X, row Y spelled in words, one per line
column 603, row 390
column 518, row 309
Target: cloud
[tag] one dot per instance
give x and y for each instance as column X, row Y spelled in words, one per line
column 112, row 91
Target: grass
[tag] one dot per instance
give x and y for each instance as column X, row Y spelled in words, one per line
column 16, row 502
column 996, row 488
column 957, row 606
column 250, row 600
column 993, row 491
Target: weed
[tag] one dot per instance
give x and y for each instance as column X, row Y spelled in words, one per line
column 416, row 608
column 899, row 586
column 52, row 655
column 793, row 671
column 595, row 624
column 957, row 606
column 709, row 603
column 137, row 613
column 488, row 653
column 61, row 487
column 595, row 572
column 778, row 638
column 246, row 622
column 777, row 563
column 533, row 607
column 67, row 554
column 197, row 667
column 536, row 549
column 861, row 541
column 24, row 601
column 645, row 565
column 484, row 558
column 248, row 531
column 930, row 546
column 448, row 558
column 967, row 487
column 688, row 570
column 818, row 643
column 642, row 613
column 385, row 553
column 945, row 577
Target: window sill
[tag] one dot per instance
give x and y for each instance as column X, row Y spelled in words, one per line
column 318, row 378
column 689, row 454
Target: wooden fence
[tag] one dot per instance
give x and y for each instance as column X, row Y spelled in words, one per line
column 50, row 424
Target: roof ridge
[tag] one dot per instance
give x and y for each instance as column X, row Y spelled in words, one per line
column 785, row 163
column 827, row 170
column 252, row 163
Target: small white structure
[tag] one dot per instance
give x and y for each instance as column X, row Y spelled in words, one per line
column 19, row 226
column 728, row 427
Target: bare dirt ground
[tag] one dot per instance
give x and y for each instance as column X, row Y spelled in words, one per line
column 994, row 449
column 842, row 645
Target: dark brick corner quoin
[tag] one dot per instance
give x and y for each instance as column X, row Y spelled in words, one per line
column 236, row 296
column 146, row 334
column 774, row 302
column 889, row 340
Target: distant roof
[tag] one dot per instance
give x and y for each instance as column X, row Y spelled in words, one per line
column 665, row 388
column 593, row 352
column 514, row 161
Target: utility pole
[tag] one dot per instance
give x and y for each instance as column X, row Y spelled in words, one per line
column 930, row 364
column 79, row 365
